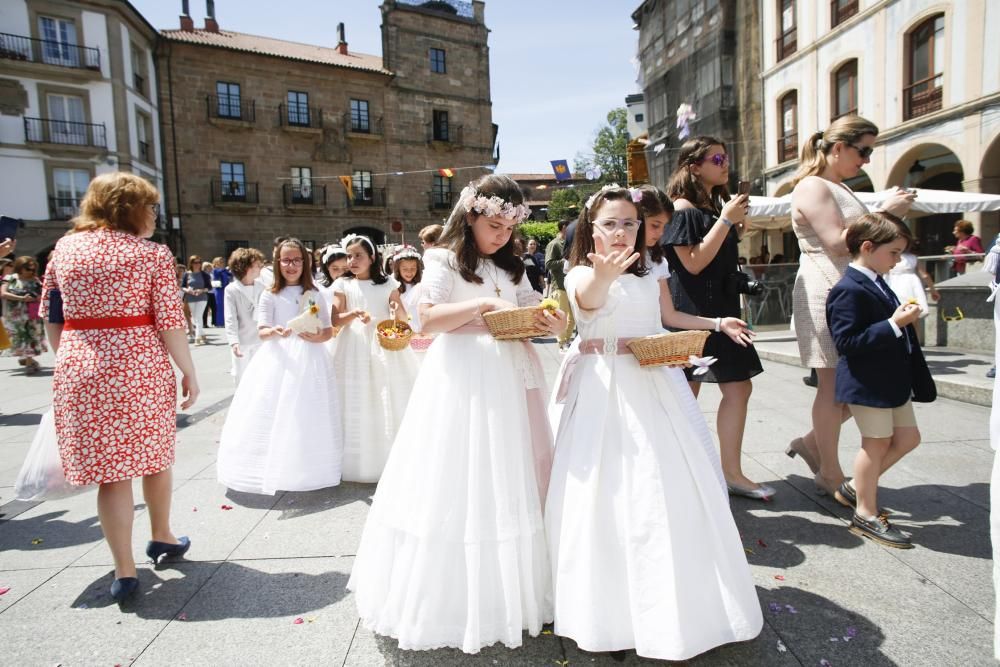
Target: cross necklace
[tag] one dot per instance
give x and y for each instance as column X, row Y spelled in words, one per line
column 496, row 281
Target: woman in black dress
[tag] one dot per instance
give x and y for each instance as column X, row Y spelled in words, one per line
column 701, row 246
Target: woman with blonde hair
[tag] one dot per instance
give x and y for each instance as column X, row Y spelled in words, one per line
column 114, row 389
column 823, row 206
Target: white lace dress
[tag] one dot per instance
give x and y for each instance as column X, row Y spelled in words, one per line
column 453, row 552
column 645, row 553
column 374, row 383
column 283, row 430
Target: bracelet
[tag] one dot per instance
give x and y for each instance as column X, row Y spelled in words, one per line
column 727, row 221
column 718, row 324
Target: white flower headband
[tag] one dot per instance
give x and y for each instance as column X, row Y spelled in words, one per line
column 406, row 252
column 634, row 193
column 492, row 207
column 351, row 239
column 330, row 251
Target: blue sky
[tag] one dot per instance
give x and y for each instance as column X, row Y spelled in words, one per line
column 557, row 66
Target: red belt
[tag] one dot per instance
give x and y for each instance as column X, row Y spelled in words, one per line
column 108, row 322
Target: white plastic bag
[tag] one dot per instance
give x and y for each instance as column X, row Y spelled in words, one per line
column 41, row 476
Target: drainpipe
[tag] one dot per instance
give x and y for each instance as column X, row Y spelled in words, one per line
column 182, row 243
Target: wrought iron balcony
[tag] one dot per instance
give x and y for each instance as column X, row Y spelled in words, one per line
column 63, row 54
column 231, row 107
column 63, row 208
column 357, row 124
column 451, row 134
column 304, row 195
column 234, row 192
column 52, row 131
column 439, row 199
column 300, row 115
column 367, row 198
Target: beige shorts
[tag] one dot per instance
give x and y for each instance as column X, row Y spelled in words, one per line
column 879, row 422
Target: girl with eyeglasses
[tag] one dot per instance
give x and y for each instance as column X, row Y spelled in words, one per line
column 21, row 291
column 702, row 248
column 645, row 553
column 375, row 383
column 823, row 206
column 283, row 429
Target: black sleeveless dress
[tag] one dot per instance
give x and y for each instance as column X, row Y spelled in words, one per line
column 705, row 294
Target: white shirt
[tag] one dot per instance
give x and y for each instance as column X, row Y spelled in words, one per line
column 871, row 275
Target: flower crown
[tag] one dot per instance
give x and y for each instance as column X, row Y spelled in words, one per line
column 351, row 239
column 492, row 207
column 634, row 193
column 405, row 252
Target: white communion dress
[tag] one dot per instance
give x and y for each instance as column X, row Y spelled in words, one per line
column 645, row 553
column 374, row 383
column 453, row 552
column 283, row 430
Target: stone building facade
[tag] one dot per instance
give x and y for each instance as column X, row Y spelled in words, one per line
column 77, row 99
column 258, row 131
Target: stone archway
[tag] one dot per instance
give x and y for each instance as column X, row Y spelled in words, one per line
column 989, row 182
column 935, row 167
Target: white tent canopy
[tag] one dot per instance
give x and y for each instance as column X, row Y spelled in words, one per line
column 775, row 212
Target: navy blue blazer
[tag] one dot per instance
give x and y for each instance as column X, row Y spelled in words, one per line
column 875, row 368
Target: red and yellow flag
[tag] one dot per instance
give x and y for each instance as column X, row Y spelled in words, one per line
column 447, row 173
column 346, row 182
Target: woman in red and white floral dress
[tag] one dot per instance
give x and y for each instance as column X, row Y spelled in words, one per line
column 115, row 393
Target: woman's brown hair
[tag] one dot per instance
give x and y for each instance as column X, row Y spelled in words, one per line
column 654, row 202
column 305, row 280
column 583, row 237
column 458, row 235
column 846, row 129
column 113, row 201
column 685, row 185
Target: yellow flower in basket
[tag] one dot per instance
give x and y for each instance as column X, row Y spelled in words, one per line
column 394, row 335
column 549, row 304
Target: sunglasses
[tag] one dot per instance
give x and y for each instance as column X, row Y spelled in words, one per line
column 864, row 151
column 719, row 159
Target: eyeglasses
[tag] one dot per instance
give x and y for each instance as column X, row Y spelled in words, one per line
column 155, row 208
column 295, row 261
column 719, row 159
column 864, row 152
column 609, row 225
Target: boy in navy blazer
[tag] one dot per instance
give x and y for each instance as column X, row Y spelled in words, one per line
column 880, row 369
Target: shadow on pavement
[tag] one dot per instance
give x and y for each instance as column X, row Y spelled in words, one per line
column 53, row 532
column 21, row 419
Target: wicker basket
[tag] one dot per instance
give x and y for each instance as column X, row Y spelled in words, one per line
column 514, row 323
column 399, row 342
column 668, row 349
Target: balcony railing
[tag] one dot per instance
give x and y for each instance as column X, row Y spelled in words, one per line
column 144, row 153
column 64, row 208
column 367, row 198
column 231, row 107
column 922, row 97
column 787, row 43
column 300, row 115
column 841, row 11
column 440, row 199
column 139, row 83
column 63, row 54
column 304, row 195
column 451, row 134
column 234, row 192
column 362, row 124
column 788, row 147
column 52, row 131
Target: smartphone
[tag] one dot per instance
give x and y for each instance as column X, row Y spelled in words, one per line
column 9, row 227
column 743, row 188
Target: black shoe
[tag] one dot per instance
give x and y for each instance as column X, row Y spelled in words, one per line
column 879, row 530
column 992, row 373
column 811, row 381
column 124, row 588
column 156, row 549
column 848, row 497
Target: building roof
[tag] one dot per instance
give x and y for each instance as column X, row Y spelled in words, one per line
column 267, row 46
column 533, row 177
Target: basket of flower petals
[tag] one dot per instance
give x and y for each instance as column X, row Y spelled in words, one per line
column 518, row 323
column 669, row 349
column 393, row 334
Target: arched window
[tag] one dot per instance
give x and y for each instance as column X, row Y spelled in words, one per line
column 924, row 68
column 844, row 96
column 788, row 126
column 787, row 34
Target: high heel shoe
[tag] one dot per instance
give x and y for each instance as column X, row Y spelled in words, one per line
column 822, row 488
column 156, row 549
column 124, row 588
column 802, row 451
column 762, row 492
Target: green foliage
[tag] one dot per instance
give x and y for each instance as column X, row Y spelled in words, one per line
column 609, row 150
column 565, row 204
column 543, row 232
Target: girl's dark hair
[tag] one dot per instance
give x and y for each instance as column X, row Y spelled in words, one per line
column 306, row 279
column 654, row 202
column 375, row 273
column 458, row 236
column 324, row 268
column 583, row 239
column 685, row 185
column 416, row 279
